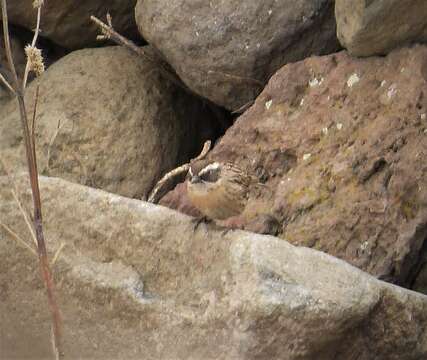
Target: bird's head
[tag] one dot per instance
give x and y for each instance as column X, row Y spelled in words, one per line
column 205, row 173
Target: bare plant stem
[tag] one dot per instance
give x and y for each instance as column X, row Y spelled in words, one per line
column 161, row 186
column 32, row 168
column 5, row 82
column 110, row 33
column 18, row 238
column 25, row 216
column 33, row 43
column 15, row 195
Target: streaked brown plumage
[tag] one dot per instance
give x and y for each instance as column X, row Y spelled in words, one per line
column 218, row 190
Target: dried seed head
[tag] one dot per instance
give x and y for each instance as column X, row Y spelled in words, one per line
column 35, row 59
column 37, row 4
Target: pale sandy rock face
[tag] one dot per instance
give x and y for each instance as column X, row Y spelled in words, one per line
column 226, row 50
column 107, row 119
column 376, row 27
column 340, row 143
column 67, row 22
column 135, row 279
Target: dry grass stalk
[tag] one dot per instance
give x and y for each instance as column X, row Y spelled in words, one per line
column 34, row 64
column 37, row 4
column 25, row 216
column 108, row 32
column 238, row 78
column 57, row 253
column 162, row 185
column 18, row 239
column 59, row 126
column 5, row 82
column 243, row 108
column 15, row 195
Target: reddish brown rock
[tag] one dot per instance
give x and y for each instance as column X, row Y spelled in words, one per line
column 178, row 200
column 341, row 143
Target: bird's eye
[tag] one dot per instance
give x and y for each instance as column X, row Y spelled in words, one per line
column 209, row 176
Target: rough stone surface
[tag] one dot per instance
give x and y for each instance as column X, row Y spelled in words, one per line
column 135, row 280
column 226, row 50
column 67, row 22
column 108, row 119
column 378, row 26
column 19, row 57
column 341, row 144
column 19, row 38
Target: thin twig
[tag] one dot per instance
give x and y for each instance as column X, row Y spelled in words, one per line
column 109, row 33
column 33, row 124
column 6, row 83
column 7, row 46
column 36, row 100
column 56, row 256
column 17, row 200
column 25, row 216
column 33, row 43
column 243, row 108
column 37, row 31
column 18, row 238
column 260, row 84
column 159, row 190
column 59, row 126
column 204, row 152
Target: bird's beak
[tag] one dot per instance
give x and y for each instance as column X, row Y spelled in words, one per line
column 195, row 179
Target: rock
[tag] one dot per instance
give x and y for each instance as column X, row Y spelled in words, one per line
column 264, row 224
column 19, row 38
column 108, row 119
column 179, row 200
column 135, row 279
column 68, row 24
column 226, row 51
column 340, row 142
column 376, row 27
column 19, row 60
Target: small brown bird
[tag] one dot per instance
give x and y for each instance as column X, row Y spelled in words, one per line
column 218, row 190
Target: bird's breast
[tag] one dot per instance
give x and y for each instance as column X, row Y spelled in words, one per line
column 216, row 202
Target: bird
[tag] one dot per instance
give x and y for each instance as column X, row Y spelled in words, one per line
column 218, row 190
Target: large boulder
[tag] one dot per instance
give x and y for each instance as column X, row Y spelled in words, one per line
column 135, row 280
column 107, row 118
column 375, row 27
column 226, row 51
column 67, row 22
column 340, row 143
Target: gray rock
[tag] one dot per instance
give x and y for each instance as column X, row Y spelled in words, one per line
column 67, row 22
column 108, row 119
column 375, row 27
column 204, row 295
column 18, row 54
column 226, row 51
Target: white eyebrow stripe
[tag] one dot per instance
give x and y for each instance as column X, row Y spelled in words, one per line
column 190, row 171
column 213, row 166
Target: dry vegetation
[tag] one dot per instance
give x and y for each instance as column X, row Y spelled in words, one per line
column 17, row 87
